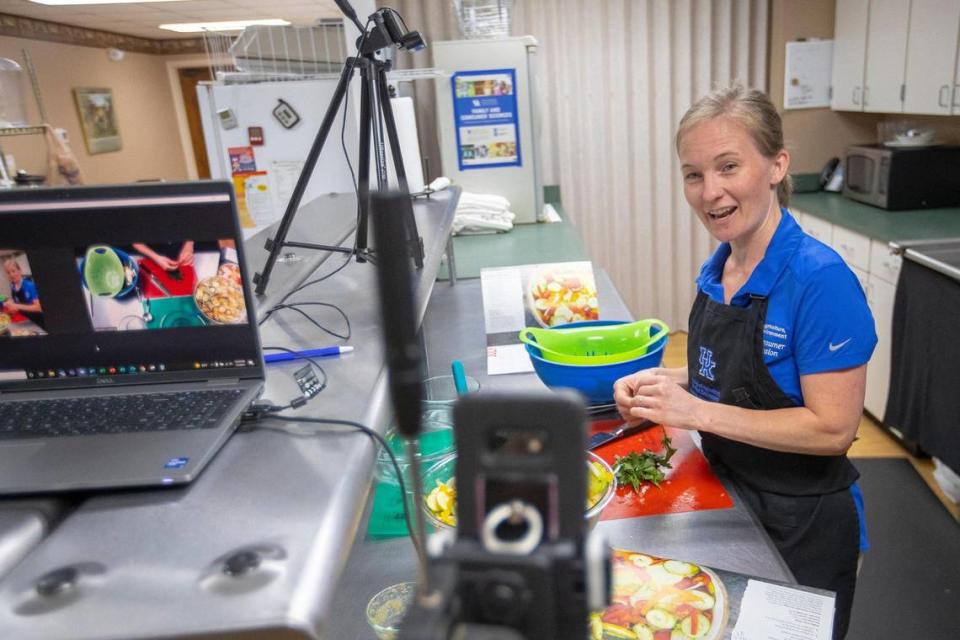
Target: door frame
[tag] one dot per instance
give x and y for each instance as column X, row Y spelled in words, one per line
column 183, row 128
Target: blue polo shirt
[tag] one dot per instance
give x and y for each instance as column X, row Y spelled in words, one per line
column 26, row 292
column 817, row 315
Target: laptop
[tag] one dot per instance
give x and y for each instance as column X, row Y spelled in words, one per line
column 128, row 342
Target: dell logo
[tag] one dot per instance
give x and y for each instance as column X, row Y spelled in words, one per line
column 104, row 380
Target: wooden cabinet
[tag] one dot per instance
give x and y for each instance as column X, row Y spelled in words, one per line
column 816, row 227
column 956, row 84
column 897, row 56
column 931, row 56
column 852, row 247
column 886, row 55
column 880, row 297
column 849, row 55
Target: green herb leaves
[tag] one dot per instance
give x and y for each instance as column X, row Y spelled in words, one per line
column 635, row 468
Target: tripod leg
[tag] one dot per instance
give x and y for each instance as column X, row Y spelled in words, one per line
column 363, row 170
column 414, row 242
column 276, row 244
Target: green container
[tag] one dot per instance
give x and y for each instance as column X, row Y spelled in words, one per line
column 103, row 271
column 436, row 441
column 596, row 344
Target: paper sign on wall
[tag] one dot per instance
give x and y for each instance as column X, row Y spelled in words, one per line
column 808, row 74
column 485, row 118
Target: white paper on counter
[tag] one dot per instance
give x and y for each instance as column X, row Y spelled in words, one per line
column 776, row 612
column 502, row 292
column 508, row 358
column 503, row 312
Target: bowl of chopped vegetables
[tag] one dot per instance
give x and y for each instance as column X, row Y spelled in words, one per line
column 440, row 499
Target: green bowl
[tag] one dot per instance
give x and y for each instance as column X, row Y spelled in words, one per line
column 596, row 343
column 103, row 271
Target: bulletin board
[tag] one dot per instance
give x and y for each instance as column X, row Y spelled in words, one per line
column 808, row 74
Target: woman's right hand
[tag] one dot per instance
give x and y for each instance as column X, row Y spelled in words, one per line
column 625, row 389
column 165, row 263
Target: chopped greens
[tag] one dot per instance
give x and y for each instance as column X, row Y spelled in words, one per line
column 635, row 468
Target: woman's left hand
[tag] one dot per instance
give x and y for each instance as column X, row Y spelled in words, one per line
column 659, row 398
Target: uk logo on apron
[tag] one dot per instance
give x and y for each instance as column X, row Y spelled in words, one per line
column 707, row 363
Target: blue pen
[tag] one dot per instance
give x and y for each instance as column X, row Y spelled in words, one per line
column 307, row 353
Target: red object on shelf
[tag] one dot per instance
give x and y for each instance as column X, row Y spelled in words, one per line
column 689, row 486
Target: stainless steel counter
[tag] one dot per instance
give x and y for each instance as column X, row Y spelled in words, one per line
column 453, row 329
column 942, row 255
column 150, row 563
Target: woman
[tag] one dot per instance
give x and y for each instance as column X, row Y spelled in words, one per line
column 780, row 335
column 24, row 298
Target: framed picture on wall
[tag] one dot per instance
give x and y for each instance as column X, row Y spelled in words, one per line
column 98, row 119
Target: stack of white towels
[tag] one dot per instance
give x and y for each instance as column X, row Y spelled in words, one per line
column 481, row 213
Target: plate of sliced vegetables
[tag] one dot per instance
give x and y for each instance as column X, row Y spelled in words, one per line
column 658, row 599
column 558, row 296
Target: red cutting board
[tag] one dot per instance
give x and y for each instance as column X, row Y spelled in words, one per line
column 151, row 273
column 689, row 486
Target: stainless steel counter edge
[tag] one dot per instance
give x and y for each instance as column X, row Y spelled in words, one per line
column 914, row 250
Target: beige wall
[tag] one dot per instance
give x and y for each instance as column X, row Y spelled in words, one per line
column 811, row 135
column 144, row 108
column 814, row 135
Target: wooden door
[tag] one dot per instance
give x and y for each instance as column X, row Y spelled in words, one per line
column 189, row 78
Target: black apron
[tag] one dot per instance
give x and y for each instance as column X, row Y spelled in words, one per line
column 803, row 501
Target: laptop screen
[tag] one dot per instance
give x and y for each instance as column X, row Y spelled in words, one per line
column 123, row 284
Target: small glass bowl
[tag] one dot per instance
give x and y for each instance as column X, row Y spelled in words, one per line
column 436, row 441
column 446, row 468
column 441, row 392
column 386, row 610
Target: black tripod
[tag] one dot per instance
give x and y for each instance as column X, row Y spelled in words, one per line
column 374, row 103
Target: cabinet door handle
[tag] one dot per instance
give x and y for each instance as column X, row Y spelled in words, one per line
column 943, row 99
column 856, row 95
column 866, row 92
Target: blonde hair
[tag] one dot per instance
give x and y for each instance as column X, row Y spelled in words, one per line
column 752, row 109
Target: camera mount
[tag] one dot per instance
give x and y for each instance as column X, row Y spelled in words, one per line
column 384, row 29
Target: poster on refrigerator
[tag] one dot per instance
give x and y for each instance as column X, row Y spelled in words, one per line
column 486, row 119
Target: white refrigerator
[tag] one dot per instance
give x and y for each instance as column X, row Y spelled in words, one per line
column 487, row 119
column 259, row 135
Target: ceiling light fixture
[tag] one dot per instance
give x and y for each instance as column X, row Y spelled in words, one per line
column 230, row 25
column 58, row 3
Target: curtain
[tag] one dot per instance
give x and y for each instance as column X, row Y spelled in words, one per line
column 615, row 76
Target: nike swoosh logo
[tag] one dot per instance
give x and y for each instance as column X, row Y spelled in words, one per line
column 834, row 347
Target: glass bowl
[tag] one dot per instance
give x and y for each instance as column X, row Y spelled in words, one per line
column 440, row 392
column 386, row 610
column 445, row 470
column 436, row 442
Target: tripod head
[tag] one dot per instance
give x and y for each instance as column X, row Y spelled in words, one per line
column 389, row 30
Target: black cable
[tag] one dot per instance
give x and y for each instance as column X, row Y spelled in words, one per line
column 295, row 307
column 295, row 403
column 270, row 414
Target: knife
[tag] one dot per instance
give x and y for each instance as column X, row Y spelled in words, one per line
column 604, row 437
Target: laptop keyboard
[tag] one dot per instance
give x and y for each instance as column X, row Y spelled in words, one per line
column 114, row 414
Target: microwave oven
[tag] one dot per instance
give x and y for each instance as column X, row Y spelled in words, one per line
column 903, row 177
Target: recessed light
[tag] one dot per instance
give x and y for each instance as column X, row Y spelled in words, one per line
column 77, row 2
column 229, row 25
